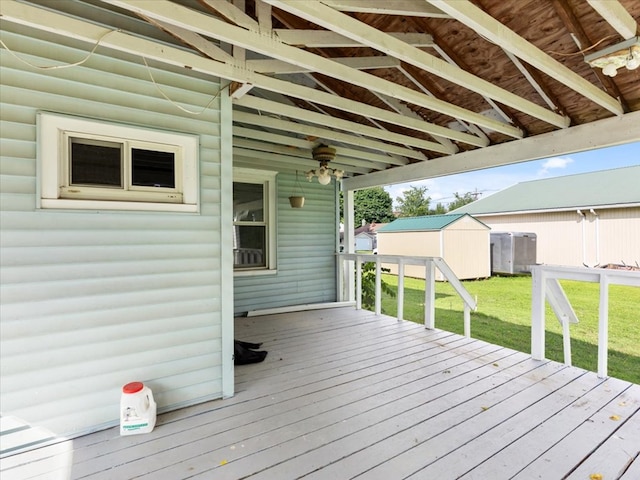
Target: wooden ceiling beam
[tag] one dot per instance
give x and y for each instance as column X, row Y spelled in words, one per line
column 571, row 22
column 417, row 8
column 269, row 142
column 616, row 16
column 616, row 130
column 329, row 39
column 487, row 26
column 261, row 104
column 327, row 17
column 215, row 28
column 268, row 65
column 328, row 135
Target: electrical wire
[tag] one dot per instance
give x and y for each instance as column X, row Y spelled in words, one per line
column 174, row 103
column 90, row 54
column 59, row 67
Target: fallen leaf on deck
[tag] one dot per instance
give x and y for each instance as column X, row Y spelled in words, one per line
column 223, row 462
column 615, row 417
column 596, row 476
column 484, row 408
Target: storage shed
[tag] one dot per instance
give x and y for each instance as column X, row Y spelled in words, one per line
column 460, row 239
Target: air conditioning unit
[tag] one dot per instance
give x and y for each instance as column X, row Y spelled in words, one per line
column 512, row 252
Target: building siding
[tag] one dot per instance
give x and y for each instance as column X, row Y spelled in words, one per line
column 92, row 300
column 463, row 244
column 306, row 246
column 563, row 240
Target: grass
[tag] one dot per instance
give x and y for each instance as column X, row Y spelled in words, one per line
column 504, row 318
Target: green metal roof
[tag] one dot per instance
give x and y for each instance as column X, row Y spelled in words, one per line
column 425, row 223
column 620, row 186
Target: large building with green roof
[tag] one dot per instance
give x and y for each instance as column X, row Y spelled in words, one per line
column 584, row 219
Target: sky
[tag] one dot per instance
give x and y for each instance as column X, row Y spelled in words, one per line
column 489, row 181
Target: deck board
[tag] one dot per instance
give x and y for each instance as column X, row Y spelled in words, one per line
column 348, row 394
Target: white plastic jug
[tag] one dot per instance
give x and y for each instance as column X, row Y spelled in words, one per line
column 137, row 409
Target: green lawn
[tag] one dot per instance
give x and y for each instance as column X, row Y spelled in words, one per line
column 504, row 318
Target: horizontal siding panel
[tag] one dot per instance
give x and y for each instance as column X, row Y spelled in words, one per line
column 95, row 299
column 114, row 271
column 19, row 184
column 44, row 256
column 306, row 246
column 59, row 324
column 17, row 166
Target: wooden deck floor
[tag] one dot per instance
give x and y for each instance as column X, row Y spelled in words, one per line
column 345, row 394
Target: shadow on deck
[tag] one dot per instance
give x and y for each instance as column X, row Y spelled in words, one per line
column 347, row 394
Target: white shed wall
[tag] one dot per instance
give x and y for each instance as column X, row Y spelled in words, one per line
column 565, row 238
column 92, row 300
column 464, row 245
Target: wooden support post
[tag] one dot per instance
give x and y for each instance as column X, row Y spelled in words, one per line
column 378, row 301
column 537, row 312
column 358, row 284
column 603, row 327
column 430, row 295
column 400, row 289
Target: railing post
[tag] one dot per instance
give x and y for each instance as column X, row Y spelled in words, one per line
column 603, row 326
column 538, row 281
column 429, row 295
column 358, row 284
column 378, row 300
column 467, row 321
column 400, row 289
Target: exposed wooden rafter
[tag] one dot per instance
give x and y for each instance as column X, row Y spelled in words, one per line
column 367, row 35
column 616, row 15
column 565, row 12
column 397, row 7
column 209, row 26
column 490, row 28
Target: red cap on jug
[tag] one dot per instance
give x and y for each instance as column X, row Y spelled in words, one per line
column 133, row 387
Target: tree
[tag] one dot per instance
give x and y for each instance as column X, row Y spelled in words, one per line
column 461, row 200
column 414, row 202
column 373, row 205
column 439, row 210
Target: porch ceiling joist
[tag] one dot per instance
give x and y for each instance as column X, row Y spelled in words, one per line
column 616, row 16
column 52, row 22
column 329, row 135
column 397, row 7
column 273, row 47
column 357, row 158
column 603, row 133
column 329, row 39
column 261, row 104
column 496, row 32
column 293, row 162
column 327, row 17
column 269, row 65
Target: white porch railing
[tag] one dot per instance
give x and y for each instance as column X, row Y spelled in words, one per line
column 346, row 264
column 545, row 285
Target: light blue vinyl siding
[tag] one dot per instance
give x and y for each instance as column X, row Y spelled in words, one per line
column 306, row 246
column 92, row 300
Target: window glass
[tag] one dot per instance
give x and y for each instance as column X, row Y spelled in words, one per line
column 95, row 163
column 250, row 231
column 248, row 202
column 150, row 168
column 250, row 251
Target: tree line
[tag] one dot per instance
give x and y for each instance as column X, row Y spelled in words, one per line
column 374, row 205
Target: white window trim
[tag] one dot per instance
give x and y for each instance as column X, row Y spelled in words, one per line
column 53, row 131
column 249, row 175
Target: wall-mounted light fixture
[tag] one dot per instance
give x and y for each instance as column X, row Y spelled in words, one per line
column 324, row 155
column 623, row 54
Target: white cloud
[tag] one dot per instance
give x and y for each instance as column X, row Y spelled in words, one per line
column 553, row 164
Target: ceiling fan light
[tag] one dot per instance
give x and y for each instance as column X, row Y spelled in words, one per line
column 610, row 70
column 324, row 179
column 633, row 62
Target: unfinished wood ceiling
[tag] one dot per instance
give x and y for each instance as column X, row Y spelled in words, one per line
column 397, row 82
